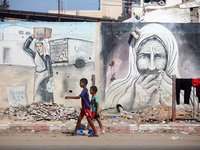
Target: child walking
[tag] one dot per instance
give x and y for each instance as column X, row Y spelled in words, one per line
column 85, row 108
column 95, row 109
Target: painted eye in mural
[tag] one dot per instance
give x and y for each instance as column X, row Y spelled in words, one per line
column 144, row 56
column 80, row 63
column 159, row 56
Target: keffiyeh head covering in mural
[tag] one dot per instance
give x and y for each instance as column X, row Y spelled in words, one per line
column 168, row 41
column 122, row 90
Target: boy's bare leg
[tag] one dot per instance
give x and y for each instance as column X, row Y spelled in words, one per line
column 92, row 125
column 88, row 126
column 78, row 124
column 100, row 124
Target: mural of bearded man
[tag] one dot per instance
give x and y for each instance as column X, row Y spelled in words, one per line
column 153, row 58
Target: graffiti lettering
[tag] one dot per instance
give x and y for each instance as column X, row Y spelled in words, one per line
column 77, row 49
column 17, row 95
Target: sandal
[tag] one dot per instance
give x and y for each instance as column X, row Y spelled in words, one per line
column 72, row 134
column 93, row 135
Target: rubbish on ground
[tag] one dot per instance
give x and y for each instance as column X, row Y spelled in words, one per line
column 182, row 132
column 175, row 137
column 79, row 132
column 114, row 116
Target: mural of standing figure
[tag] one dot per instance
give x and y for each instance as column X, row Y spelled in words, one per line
column 44, row 73
column 153, row 58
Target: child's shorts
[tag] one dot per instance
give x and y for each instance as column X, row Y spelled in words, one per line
column 85, row 112
column 94, row 115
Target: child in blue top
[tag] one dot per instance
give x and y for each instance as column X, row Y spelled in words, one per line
column 85, row 108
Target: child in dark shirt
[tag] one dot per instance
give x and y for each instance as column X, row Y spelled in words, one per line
column 85, row 108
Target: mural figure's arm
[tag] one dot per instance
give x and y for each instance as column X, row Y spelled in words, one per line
column 49, row 66
column 27, row 47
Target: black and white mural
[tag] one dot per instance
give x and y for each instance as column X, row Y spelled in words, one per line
column 140, row 59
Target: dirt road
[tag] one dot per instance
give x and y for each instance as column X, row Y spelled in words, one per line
column 58, row 141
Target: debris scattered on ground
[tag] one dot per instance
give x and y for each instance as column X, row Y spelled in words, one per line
column 175, row 137
column 40, row 111
column 161, row 113
column 183, row 132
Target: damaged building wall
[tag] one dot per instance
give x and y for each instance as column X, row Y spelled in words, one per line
column 186, row 12
column 171, row 15
column 133, row 68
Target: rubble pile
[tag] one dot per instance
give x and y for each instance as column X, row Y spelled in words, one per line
column 40, row 111
column 161, row 112
column 158, row 113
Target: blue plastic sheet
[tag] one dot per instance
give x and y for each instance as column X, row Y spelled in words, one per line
column 114, row 116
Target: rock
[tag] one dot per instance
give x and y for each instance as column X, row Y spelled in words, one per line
column 47, row 118
column 140, row 111
column 154, row 109
column 70, row 109
column 129, row 117
column 39, row 119
column 11, row 109
column 61, row 113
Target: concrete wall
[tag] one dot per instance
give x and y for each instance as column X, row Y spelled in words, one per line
column 133, row 71
column 172, row 15
column 155, row 6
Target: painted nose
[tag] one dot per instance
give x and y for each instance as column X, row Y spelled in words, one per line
column 152, row 65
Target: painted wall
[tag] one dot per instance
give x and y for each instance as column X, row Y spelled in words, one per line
column 132, row 67
column 45, row 61
column 138, row 67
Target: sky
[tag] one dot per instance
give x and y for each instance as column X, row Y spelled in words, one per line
column 81, row 30
column 45, row 5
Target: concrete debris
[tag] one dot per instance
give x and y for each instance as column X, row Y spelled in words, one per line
column 40, row 111
column 161, row 113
